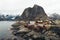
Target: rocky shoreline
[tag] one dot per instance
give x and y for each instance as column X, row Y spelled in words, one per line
column 25, row 33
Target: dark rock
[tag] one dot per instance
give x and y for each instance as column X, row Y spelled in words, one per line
column 15, row 25
column 33, row 13
column 56, row 30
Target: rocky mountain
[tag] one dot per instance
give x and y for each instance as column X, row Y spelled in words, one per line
column 34, row 13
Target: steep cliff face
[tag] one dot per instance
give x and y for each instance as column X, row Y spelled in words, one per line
column 35, row 13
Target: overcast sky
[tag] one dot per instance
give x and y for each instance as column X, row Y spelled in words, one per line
column 15, row 7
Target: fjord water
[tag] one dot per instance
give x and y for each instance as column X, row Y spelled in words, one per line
column 4, row 28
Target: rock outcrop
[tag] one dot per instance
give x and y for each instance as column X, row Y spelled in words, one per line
column 25, row 33
column 35, row 13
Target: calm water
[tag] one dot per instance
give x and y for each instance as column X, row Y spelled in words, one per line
column 4, row 28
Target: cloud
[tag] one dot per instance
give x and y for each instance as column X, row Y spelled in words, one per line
column 49, row 6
